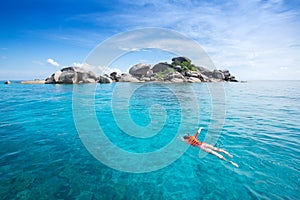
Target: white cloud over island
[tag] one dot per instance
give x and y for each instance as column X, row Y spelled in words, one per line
column 53, row 62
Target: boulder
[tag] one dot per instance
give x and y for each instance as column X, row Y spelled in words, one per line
column 146, row 79
column 160, row 67
column 228, row 76
column 178, row 68
column 205, row 72
column 174, row 76
column 226, row 73
column 181, row 59
column 115, row 76
column 214, row 80
column 232, row 79
column 193, row 80
column 53, row 78
column 177, row 80
column 194, row 74
column 149, row 73
column 72, row 75
column 153, row 79
column 218, row 74
column 139, row 69
column 56, row 75
column 203, row 78
column 105, row 79
column 128, row 78
column 67, row 77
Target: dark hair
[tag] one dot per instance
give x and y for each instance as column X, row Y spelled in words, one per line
column 185, row 137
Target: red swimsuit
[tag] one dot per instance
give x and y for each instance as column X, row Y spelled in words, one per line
column 193, row 141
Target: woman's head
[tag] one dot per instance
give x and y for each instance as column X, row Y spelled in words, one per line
column 186, row 137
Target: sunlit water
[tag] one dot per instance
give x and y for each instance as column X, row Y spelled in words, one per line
column 42, row 156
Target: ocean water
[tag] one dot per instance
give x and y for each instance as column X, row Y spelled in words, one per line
column 43, row 153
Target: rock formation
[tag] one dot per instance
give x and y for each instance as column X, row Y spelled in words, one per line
column 128, row 78
column 160, row 67
column 180, row 70
column 139, row 69
column 181, row 60
column 72, row 75
column 105, row 79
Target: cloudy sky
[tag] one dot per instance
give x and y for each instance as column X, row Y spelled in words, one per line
column 257, row 39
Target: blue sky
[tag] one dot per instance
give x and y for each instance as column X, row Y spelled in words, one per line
column 257, row 39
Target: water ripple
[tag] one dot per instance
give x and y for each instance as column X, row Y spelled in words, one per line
column 42, row 157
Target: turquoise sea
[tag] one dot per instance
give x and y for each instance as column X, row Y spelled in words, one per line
column 42, row 156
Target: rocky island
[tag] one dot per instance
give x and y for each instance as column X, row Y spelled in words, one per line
column 180, row 70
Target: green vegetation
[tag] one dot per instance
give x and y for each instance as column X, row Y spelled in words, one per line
column 185, row 66
column 159, row 75
column 164, row 73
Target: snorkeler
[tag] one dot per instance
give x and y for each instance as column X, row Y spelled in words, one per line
column 192, row 140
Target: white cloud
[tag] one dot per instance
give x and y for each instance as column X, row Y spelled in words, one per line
column 245, row 36
column 76, row 64
column 52, row 62
column 283, row 68
column 254, row 34
column 99, row 70
column 129, row 49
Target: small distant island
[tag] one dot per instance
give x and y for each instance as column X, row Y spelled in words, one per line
column 180, row 70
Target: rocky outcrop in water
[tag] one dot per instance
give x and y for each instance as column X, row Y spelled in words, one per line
column 180, row 70
column 105, row 79
column 72, row 75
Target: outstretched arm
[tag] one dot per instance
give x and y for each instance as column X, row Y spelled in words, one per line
column 181, row 138
column 198, row 132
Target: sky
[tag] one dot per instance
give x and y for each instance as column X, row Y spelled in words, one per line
column 254, row 39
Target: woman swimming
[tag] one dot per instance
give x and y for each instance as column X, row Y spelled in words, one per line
column 192, row 140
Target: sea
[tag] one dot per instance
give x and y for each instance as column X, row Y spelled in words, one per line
column 122, row 140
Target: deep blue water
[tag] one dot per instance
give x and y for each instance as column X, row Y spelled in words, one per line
column 43, row 157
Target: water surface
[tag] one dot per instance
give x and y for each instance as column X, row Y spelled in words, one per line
column 42, row 156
